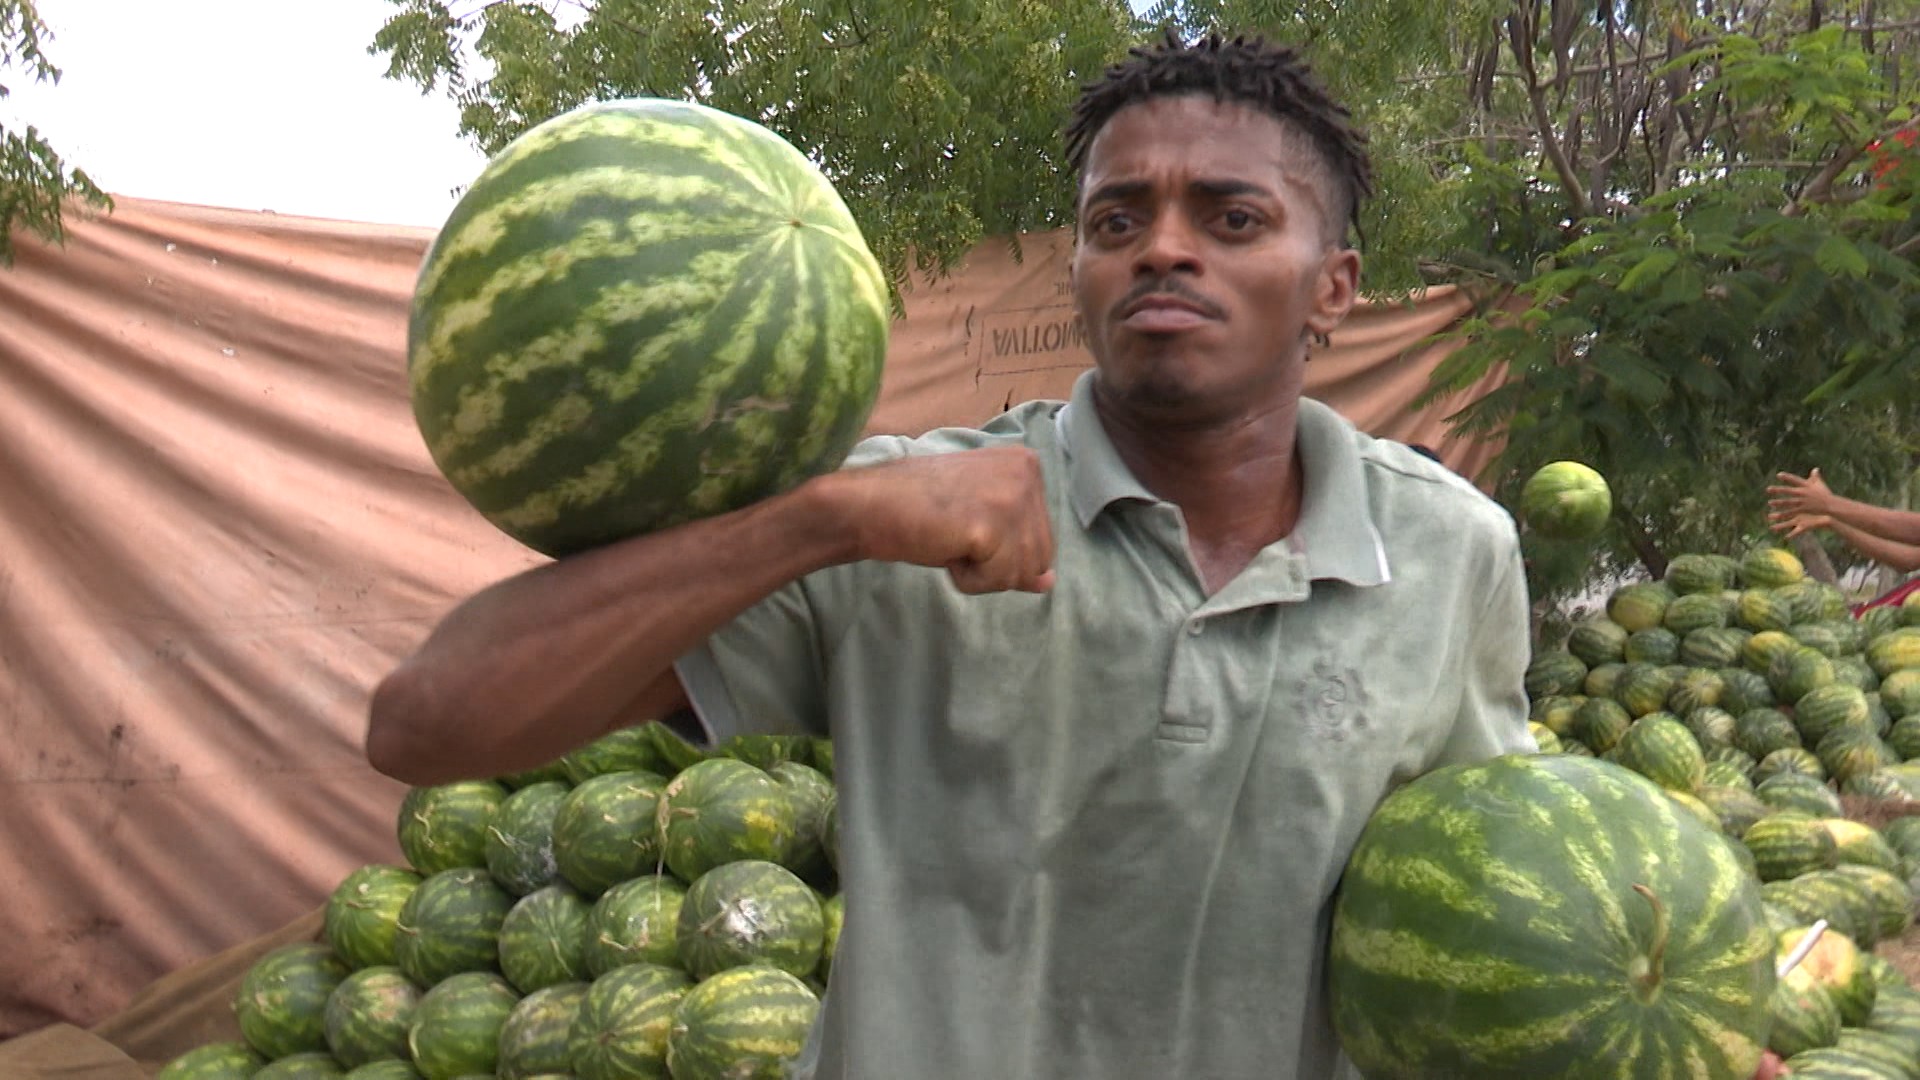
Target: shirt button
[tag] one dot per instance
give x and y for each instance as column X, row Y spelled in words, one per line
column 1195, row 627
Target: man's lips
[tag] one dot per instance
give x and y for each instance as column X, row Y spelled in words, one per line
column 1162, row 314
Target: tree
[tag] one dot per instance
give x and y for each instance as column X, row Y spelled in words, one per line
column 35, row 183
column 1691, row 223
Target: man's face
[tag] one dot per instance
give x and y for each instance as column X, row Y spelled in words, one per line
column 1204, row 259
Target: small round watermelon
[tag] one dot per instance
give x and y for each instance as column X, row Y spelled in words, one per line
column 281, row 1003
column 543, row 939
column 620, row 1031
column 364, row 912
column 456, row 1028
column 636, row 921
column 750, row 912
column 215, row 1061
column 1536, row 916
column 451, row 924
column 811, row 792
column 445, row 826
column 1566, row 500
column 520, row 839
column 605, row 833
column 641, row 313
column 369, row 1014
column 724, row 810
column 746, row 1023
column 533, row 1041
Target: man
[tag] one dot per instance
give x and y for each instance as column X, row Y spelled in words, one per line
column 1114, row 683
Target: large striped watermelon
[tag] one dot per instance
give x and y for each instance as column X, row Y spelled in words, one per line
column 746, row 1023
column 456, row 1026
column 534, row 1040
column 214, row 1061
column 1544, row 916
column 451, row 924
column 642, row 312
column 364, row 911
column 368, row 1016
column 281, row 1002
column 620, row 1030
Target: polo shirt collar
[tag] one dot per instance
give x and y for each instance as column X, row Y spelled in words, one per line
column 1335, row 534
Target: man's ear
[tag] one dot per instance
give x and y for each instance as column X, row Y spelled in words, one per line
column 1335, row 291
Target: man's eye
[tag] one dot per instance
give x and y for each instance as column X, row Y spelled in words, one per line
column 1115, row 223
column 1237, row 220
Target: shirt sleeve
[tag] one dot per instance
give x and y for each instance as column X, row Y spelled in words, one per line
column 764, row 673
column 1492, row 719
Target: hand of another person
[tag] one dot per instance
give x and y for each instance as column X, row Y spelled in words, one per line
column 1771, row 1067
column 1793, row 525
column 981, row 514
column 1795, row 495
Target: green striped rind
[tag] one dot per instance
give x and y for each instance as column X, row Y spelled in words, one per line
column 1661, row 749
column 1696, row 573
column 1862, row 845
column 642, row 312
column 1737, row 808
column 1644, row 688
column 1892, row 897
column 1600, row 722
column 1487, row 926
column 1900, row 693
column 368, row 1015
column 364, row 911
column 1758, row 610
column 1639, row 606
column 1770, row 568
column 722, row 810
column 834, row 910
column 1712, row 648
column 1894, row 651
column 445, row 826
column 1851, row 752
column 310, row 1065
column 746, row 1023
column 1798, row 791
column 1554, row 673
column 451, row 924
column 543, row 941
column 635, row 922
column 1904, row 738
column 1698, row 689
column 628, row 749
column 534, row 1037
column 1598, row 641
column 1762, row 731
column 1845, row 902
column 621, row 1029
column 1804, row 1016
column 811, row 791
column 520, row 838
column 1830, row 708
column 1888, row 1050
column 1692, row 612
column 1712, row 728
column 387, row 1070
column 456, row 1028
column 214, row 1061
column 281, row 1002
column 1795, row 673
column 750, row 912
column 1787, row 845
column 604, row 831
column 1745, row 690
column 1832, row 1063
column 1789, row 759
column 1600, row 682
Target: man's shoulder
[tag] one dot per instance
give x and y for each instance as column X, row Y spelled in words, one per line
column 1027, row 424
column 1415, row 490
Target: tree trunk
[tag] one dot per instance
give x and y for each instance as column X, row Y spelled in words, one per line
column 1649, row 552
column 1814, row 558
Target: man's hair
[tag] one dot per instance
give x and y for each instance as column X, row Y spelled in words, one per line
column 1272, row 78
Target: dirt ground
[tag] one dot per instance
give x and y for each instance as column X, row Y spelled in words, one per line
column 1902, row 952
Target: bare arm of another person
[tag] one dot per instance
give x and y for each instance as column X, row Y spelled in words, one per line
column 550, row 659
column 1798, row 496
column 1902, row 557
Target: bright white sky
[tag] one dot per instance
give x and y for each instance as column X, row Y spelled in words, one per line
column 254, row 104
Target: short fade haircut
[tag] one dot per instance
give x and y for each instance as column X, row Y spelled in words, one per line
column 1272, row 78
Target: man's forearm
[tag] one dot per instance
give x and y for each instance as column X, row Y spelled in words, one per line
column 1899, row 526
column 1900, row 556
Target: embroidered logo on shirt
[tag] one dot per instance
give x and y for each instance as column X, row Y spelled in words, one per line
column 1333, row 701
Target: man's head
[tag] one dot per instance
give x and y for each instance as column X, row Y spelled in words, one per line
column 1217, row 185
column 1273, row 79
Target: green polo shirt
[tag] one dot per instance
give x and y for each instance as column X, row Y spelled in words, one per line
column 1093, row 834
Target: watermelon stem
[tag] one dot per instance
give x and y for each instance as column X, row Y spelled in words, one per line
column 1648, row 981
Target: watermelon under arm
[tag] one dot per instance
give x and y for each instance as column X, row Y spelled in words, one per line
column 548, row 660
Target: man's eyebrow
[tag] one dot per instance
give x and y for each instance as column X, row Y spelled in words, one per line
column 1117, row 190
column 1121, row 190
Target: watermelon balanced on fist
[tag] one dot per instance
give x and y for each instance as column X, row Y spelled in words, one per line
column 642, row 312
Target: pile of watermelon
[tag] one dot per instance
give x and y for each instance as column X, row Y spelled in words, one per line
column 1757, row 701
column 639, row 908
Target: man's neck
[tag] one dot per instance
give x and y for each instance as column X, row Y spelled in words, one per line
column 1238, row 484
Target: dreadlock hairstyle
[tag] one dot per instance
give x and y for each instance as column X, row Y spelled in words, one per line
column 1269, row 77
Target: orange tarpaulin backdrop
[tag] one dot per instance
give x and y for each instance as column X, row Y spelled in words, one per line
column 219, row 528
